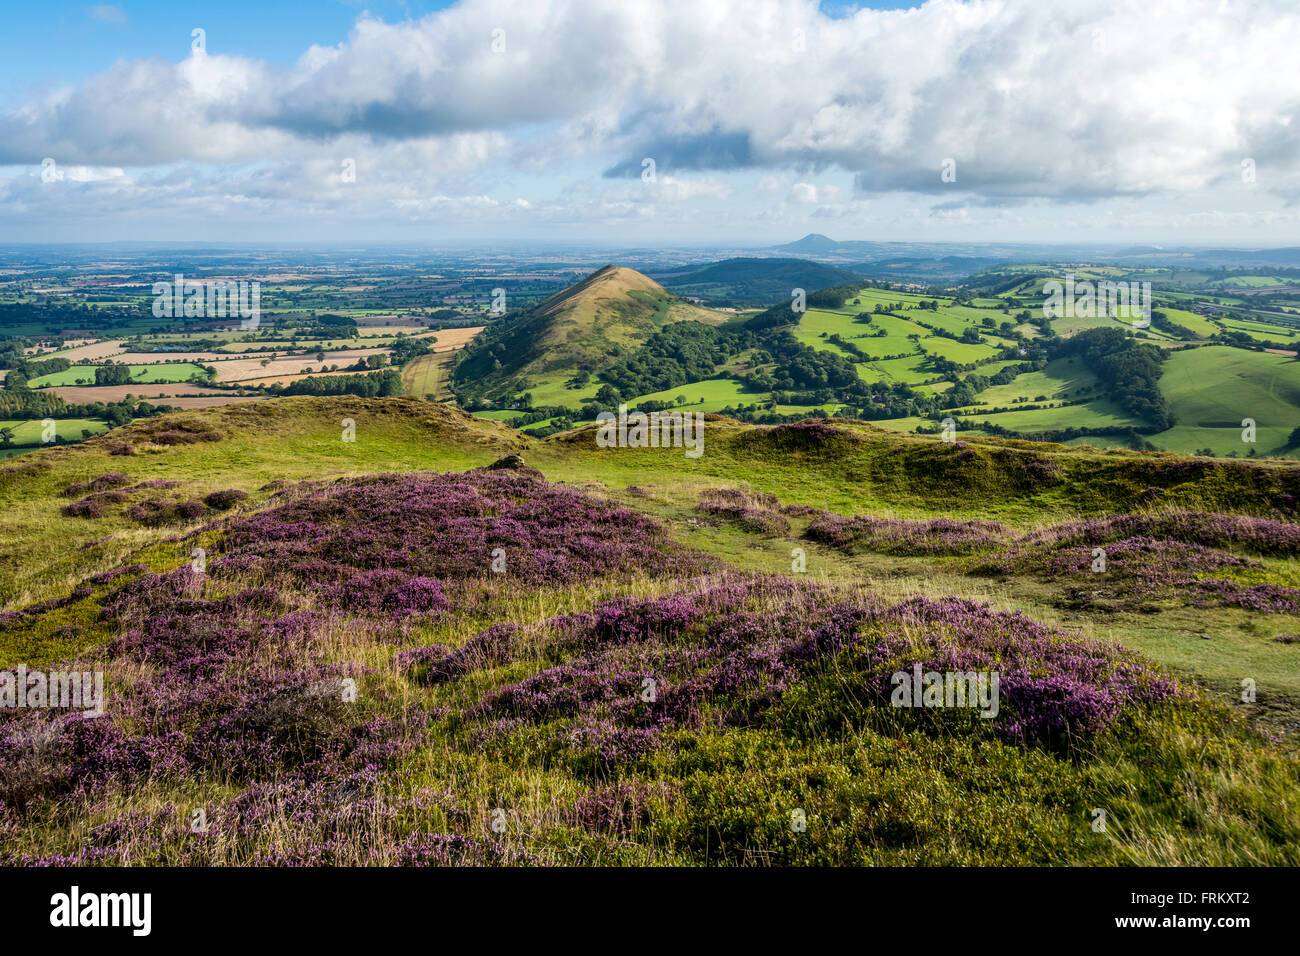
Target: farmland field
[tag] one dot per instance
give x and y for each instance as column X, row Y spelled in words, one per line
column 79, row 374
column 1212, row 389
column 29, row 432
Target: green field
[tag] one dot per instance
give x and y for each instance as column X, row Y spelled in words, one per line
column 1096, row 414
column 28, row 432
column 963, row 353
column 1198, row 324
column 1060, row 379
column 1211, row 390
column 717, row 394
column 1259, row 331
column 140, row 374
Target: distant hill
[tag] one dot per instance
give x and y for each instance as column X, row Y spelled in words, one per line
column 757, row 282
column 811, row 244
column 582, row 328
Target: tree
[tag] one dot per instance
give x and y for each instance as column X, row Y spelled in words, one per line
column 113, row 375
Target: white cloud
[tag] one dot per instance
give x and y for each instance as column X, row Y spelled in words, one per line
column 1032, row 99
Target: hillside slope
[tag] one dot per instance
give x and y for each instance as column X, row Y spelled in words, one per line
column 583, row 327
column 499, row 622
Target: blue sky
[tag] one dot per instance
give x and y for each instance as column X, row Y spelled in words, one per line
column 1172, row 121
column 60, row 42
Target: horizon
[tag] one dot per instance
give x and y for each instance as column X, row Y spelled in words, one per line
column 716, row 245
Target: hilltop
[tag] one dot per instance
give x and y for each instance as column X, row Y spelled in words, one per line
column 571, row 335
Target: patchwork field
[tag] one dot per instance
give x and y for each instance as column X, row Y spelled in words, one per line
column 239, row 370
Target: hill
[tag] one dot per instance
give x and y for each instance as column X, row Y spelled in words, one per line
column 756, row 282
column 407, row 615
column 812, row 244
column 575, row 332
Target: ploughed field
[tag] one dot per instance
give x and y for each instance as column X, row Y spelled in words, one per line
column 441, row 642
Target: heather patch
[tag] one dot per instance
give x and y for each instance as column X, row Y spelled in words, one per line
column 175, row 431
column 225, row 500
column 809, row 437
column 389, row 541
column 1263, row 536
column 234, row 686
column 760, row 513
column 96, row 505
column 1180, row 555
column 102, row 483
column 935, row 537
column 154, row 512
column 739, row 655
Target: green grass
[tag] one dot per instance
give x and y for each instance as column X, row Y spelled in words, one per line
column 1095, row 414
column 1059, row 379
column 1259, row 331
column 551, row 390
column 717, row 394
column 1211, row 389
column 29, row 432
column 1198, row 324
column 963, row 353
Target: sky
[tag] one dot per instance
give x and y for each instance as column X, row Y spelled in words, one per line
column 677, row 122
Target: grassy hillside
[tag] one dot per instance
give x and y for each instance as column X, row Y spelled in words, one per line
column 583, row 327
column 520, row 695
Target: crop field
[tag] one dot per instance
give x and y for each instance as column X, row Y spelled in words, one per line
column 239, row 370
column 427, row 375
column 88, row 351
